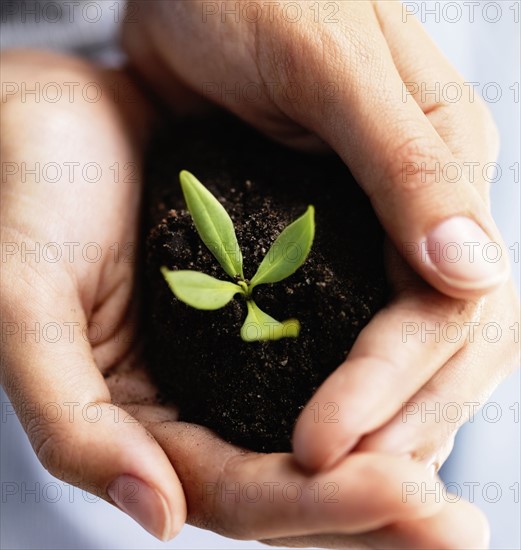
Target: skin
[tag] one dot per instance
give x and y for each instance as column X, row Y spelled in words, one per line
column 109, row 371
column 368, row 53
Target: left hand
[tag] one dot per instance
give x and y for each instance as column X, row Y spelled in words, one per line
column 418, row 371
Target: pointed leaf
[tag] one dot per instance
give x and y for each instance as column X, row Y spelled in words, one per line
column 260, row 326
column 212, row 223
column 200, row 290
column 288, row 252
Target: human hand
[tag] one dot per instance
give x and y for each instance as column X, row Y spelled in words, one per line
column 73, row 291
column 102, row 430
column 366, row 59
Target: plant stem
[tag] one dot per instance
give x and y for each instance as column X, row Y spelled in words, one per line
column 244, row 285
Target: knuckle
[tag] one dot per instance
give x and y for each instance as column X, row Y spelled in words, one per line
column 221, row 512
column 469, row 129
column 235, row 522
column 487, row 127
column 432, row 307
column 436, row 447
column 412, row 165
column 460, row 311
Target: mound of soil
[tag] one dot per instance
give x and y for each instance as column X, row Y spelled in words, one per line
column 251, row 393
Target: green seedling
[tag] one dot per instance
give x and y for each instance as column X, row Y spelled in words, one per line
column 215, row 227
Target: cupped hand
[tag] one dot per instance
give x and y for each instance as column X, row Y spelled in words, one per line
column 71, row 361
column 68, row 306
column 352, row 76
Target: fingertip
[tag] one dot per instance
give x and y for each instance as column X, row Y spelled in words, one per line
column 321, row 439
column 145, row 485
column 458, row 258
column 114, row 456
column 145, row 505
column 340, row 413
column 313, row 458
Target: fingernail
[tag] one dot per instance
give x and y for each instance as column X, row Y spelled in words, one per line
column 464, row 256
column 143, row 504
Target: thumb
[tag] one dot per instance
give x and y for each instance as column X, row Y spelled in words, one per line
column 64, row 405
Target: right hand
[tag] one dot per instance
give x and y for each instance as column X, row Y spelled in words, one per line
column 343, row 81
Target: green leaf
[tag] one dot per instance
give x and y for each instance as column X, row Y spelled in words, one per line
column 260, row 326
column 213, row 224
column 200, row 290
column 288, row 252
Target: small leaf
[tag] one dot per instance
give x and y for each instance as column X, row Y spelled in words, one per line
column 200, row 290
column 288, row 252
column 213, row 224
column 260, row 326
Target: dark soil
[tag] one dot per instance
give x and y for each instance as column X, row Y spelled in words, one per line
column 251, row 393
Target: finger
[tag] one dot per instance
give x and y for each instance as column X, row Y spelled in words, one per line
column 257, row 496
column 427, row 423
column 374, row 381
column 392, row 149
column 458, row 525
column 457, row 113
column 65, row 407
